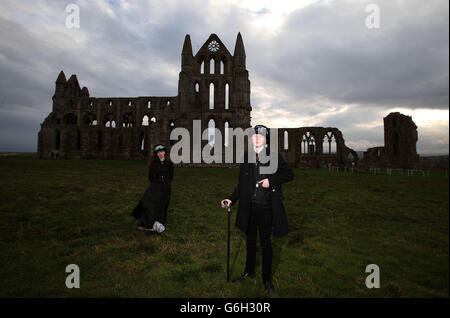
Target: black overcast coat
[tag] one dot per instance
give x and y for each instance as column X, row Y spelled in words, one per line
column 155, row 201
column 246, row 188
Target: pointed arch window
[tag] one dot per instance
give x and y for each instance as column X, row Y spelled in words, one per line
column 286, row 140
column 202, row 67
column 142, row 141
column 211, row 131
column 212, row 66
column 211, row 96
column 222, row 68
column 308, row 143
column 329, row 136
column 145, row 120
column 226, row 134
column 227, row 96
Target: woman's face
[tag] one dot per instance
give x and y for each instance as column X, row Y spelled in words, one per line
column 161, row 154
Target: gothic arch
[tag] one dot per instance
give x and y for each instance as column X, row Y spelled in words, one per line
column 329, row 143
column 308, row 143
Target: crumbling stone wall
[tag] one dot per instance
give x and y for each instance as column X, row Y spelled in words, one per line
column 400, row 139
column 213, row 87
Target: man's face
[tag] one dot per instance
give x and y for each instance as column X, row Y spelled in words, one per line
column 258, row 140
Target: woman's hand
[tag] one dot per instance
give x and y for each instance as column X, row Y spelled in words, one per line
column 265, row 183
column 225, row 203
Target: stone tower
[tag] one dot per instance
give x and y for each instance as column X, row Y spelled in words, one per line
column 400, row 138
column 399, row 151
column 213, row 87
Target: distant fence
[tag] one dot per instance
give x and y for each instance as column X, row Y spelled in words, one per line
column 387, row 171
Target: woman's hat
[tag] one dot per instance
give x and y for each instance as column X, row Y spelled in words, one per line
column 261, row 130
column 159, row 147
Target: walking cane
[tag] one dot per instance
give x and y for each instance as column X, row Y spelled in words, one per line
column 228, row 242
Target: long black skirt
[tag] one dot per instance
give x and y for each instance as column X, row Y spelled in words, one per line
column 153, row 205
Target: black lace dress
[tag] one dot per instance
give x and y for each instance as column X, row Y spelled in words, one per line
column 155, row 201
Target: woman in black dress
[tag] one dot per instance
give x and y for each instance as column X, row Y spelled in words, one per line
column 151, row 211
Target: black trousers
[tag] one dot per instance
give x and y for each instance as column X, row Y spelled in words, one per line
column 260, row 220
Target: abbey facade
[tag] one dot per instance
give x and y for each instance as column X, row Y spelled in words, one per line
column 213, row 87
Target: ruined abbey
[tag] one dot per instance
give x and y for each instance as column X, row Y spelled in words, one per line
column 213, row 87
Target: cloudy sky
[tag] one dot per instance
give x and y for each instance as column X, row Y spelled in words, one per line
column 311, row 63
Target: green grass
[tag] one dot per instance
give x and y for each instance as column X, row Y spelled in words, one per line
column 55, row 213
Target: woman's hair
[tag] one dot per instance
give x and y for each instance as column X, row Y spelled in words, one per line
column 154, row 163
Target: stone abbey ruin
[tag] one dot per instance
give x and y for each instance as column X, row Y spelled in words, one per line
column 213, row 87
column 399, row 151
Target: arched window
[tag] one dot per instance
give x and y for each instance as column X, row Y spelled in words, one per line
column 113, row 124
column 142, row 141
column 308, row 143
column 149, row 104
column 145, row 120
column 211, row 66
column 168, row 103
column 110, row 103
column 197, row 87
column 222, row 67
column 286, row 140
column 202, row 67
column 226, row 127
column 127, row 120
column 227, row 96
column 211, row 132
column 153, row 119
column 94, row 122
column 129, row 102
column 211, row 96
column 331, row 147
column 171, row 127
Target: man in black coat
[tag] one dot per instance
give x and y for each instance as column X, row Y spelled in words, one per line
column 260, row 207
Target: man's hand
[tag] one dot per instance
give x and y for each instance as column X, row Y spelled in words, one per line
column 225, row 203
column 265, row 183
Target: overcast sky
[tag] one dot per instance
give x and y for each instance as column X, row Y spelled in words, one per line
column 311, row 63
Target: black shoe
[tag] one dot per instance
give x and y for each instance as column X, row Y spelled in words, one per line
column 269, row 287
column 244, row 277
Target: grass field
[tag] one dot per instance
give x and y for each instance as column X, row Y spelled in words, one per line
column 55, row 213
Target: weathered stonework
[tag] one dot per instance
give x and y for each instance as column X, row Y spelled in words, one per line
column 400, row 139
column 81, row 126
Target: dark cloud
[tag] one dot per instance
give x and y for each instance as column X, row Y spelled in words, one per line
column 321, row 66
